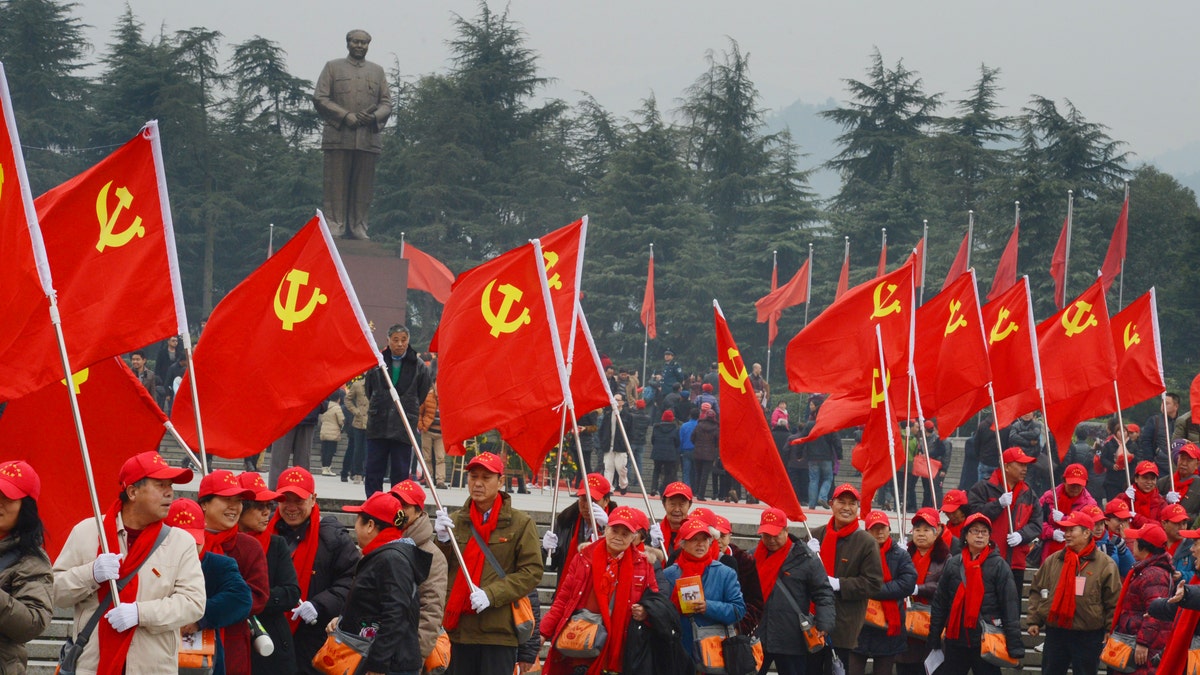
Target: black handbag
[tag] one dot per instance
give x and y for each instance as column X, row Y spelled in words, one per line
column 740, row 654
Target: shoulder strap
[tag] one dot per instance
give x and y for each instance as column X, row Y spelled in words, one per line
column 86, row 632
column 487, row 552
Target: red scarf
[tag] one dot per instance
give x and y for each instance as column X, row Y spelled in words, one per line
column 303, row 556
column 1174, row 657
column 460, row 594
column 612, row 582
column 668, row 535
column 263, row 538
column 114, row 646
column 829, row 544
column 921, row 562
column 968, row 599
column 385, row 536
column 1143, row 502
column 1062, row 607
column 219, row 542
column 950, row 532
column 1183, row 485
column 891, row 608
column 768, row 565
column 691, row 566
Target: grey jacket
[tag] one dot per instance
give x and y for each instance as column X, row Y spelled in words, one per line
column 25, row 605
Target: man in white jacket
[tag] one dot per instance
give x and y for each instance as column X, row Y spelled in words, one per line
column 139, row 634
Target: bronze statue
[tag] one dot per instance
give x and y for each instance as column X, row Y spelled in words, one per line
column 353, row 98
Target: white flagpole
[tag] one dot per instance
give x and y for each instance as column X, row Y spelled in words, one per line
column 808, row 296
column 1121, row 286
column 887, row 411
column 1162, row 377
column 646, row 334
column 970, row 235
column 271, row 240
column 924, row 257
column 1067, row 256
column 774, row 274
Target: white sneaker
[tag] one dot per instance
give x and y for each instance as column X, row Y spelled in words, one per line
column 326, row 471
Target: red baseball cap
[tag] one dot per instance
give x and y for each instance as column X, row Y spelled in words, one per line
column 1145, row 467
column 704, row 514
column 627, row 516
column 692, row 527
column 1151, row 533
column 1017, row 455
column 253, row 481
column 597, row 485
column 150, row 464
column 1174, row 513
column 297, row 481
column 409, row 492
column 927, row 515
column 877, row 517
column 381, row 505
column 1118, row 508
column 954, row 500
column 222, row 483
column 488, row 461
column 1077, row 518
column 1133, row 428
column 1075, row 474
column 1186, row 534
column 1190, row 449
column 843, row 489
column 976, row 518
column 677, row 488
column 722, row 524
column 187, row 516
column 1094, row 511
column 772, row 522
column 18, row 480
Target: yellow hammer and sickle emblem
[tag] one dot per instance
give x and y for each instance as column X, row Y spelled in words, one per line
column 882, row 309
column 1131, row 340
column 76, row 380
column 551, row 259
column 108, row 221
column 956, row 320
column 499, row 321
column 738, row 377
column 287, row 312
column 877, row 394
column 1082, row 320
column 998, row 333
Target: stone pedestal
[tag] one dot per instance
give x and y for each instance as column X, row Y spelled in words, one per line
column 380, row 277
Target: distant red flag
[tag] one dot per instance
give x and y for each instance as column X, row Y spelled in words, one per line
column 1006, row 268
column 648, row 301
column 1139, row 353
column 299, row 301
column 427, row 273
column 959, row 266
column 882, row 260
column 919, row 268
column 1058, row 263
column 747, row 451
column 834, row 352
column 120, row 420
column 23, row 295
column 794, row 292
column 1114, row 260
column 843, row 276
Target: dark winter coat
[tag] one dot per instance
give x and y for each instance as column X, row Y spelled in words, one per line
column 742, row 562
column 984, row 498
column 860, row 573
column 285, row 595
column 1149, row 579
column 655, row 646
column 564, row 528
column 383, row 420
column 874, row 641
column 987, row 447
column 938, row 556
column 804, row 577
column 706, row 438
column 664, row 442
column 384, row 602
column 1000, row 603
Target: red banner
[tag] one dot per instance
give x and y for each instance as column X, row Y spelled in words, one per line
column 950, row 355
column 427, row 273
column 648, row 319
column 1139, row 351
column 1006, row 268
column 1114, row 259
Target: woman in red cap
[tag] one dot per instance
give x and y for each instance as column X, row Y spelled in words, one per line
column 607, row 578
column 1149, row 579
column 878, row 643
column 721, row 602
column 26, row 583
column 281, row 575
column 929, row 553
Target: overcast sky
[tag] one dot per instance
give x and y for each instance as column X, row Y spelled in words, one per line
column 1131, row 66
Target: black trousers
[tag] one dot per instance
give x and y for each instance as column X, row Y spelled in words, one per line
column 961, row 660
column 481, row 660
column 1074, row 650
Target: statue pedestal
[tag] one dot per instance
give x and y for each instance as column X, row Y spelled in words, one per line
column 380, row 278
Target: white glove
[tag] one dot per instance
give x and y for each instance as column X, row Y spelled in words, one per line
column 123, row 617
column 916, row 589
column 1172, row 497
column 1006, row 500
column 549, row 541
column 837, row 585
column 1058, row 536
column 479, row 600
column 442, row 525
column 1014, row 539
column 306, row 612
column 1056, row 515
column 106, row 568
column 1131, row 493
column 814, row 545
column 599, row 515
column 656, row 538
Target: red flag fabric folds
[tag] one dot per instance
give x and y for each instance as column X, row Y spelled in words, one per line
column 120, row 419
column 1139, row 353
column 794, row 292
column 843, row 278
column 1058, row 264
column 871, row 457
column 427, row 273
column 959, row 266
column 293, row 328
column 1115, row 258
column 648, row 301
column 919, row 267
column 1006, row 268
column 747, row 451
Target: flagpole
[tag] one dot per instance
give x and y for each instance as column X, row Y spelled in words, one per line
column 1162, row 377
column 1121, row 283
column 887, row 411
column 774, row 271
column 401, row 244
column 1049, row 449
column 1000, row 449
column 883, row 252
column 808, row 296
column 271, row 240
column 970, row 235
column 1067, row 256
column 646, row 334
column 924, row 257
column 182, row 443
column 924, row 439
column 1167, row 426
column 562, row 434
column 1125, row 437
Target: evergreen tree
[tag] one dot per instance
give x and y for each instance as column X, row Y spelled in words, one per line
column 268, row 97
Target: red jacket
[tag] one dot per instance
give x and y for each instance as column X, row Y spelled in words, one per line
column 1144, row 516
column 1148, row 580
column 252, row 563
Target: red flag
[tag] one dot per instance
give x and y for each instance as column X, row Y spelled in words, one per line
column 882, row 260
column 853, row 409
column 919, row 269
column 1139, row 354
column 1058, row 263
column 120, row 420
column 747, row 451
column 23, row 295
column 834, row 352
column 298, row 305
column 843, row 276
column 950, row 355
column 427, row 273
column 773, row 320
column 959, row 266
column 562, row 253
column 1114, row 260
column 794, row 292
column 1006, row 269
column 871, row 457
column 648, row 301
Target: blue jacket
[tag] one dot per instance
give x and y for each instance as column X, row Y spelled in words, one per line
column 1183, row 562
column 1118, row 551
column 722, row 598
column 685, row 436
column 228, row 600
